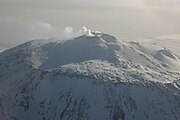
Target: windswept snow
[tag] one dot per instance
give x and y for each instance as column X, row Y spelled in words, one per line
column 92, row 77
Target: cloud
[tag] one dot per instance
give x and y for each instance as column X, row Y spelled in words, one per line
column 88, row 4
column 165, row 4
column 74, row 5
column 14, row 31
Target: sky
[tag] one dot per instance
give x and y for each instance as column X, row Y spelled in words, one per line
column 24, row 20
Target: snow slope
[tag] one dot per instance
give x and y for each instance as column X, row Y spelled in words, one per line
column 166, row 49
column 93, row 77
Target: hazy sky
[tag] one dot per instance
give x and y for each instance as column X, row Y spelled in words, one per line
column 22, row 20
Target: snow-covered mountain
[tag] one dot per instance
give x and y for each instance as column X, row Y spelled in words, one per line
column 93, row 77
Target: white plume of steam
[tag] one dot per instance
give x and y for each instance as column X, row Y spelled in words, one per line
column 85, row 31
column 15, row 30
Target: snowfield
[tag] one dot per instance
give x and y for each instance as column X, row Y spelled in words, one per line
column 91, row 77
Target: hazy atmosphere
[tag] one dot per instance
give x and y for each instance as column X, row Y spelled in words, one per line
column 23, row 20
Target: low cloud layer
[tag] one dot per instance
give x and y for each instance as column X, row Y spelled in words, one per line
column 15, row 31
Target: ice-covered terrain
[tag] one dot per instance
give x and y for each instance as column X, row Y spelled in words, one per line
column 91, row 77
